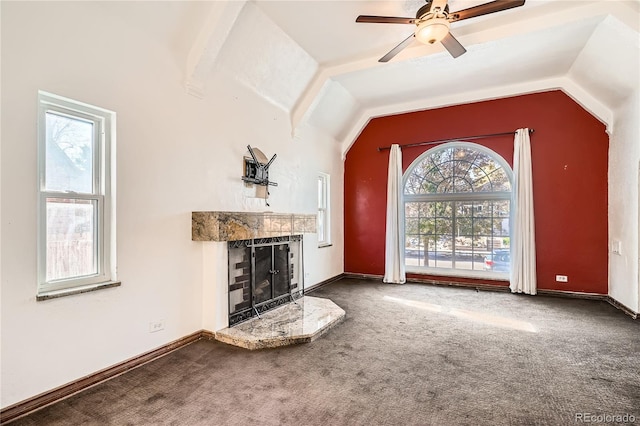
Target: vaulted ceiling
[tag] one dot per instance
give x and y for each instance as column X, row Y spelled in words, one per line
column 313, row 60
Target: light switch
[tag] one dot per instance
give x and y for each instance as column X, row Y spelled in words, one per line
column 616, row 247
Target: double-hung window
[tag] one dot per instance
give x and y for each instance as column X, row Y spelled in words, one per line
column 324, row 231
column 74, row 203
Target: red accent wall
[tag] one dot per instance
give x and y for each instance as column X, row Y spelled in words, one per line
column 569, row 155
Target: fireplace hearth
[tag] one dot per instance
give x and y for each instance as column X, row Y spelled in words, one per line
column 264, row 273
column 301, row 322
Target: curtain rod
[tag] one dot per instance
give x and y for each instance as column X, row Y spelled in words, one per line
column 384, row 148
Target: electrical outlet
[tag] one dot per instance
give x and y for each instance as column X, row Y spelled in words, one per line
column 562, row 278
column 156, row 326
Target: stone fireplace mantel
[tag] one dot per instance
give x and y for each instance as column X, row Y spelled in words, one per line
column 232, row 226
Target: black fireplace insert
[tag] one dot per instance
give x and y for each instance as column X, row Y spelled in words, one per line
column 264, row 273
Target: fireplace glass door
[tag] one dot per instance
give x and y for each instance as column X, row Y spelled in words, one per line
column 271, row 273
column 281, row 268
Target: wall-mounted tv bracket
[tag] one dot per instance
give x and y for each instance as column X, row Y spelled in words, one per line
column 257, row 172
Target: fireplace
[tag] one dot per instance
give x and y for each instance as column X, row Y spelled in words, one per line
column 252, row 263
column 264, row 273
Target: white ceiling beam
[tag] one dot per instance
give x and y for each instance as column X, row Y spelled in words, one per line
column 209, row 42
column 537, row 17
column 314, row 90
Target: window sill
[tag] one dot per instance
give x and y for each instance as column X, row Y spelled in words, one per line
column 324, row 245
column 46, row 295
column 496, row 276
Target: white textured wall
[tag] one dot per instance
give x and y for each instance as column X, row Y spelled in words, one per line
column 175, row 154
column 215, row 296
column 262, row 56
column 624, row 163
column 608, row 67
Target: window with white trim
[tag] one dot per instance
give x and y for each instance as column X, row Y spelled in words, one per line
column 74, row 202
column 324, row 229
column 457, row 203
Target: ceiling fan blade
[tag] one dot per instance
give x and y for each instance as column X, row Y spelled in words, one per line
column 384, row 19
column 484, row 9
column 393, row 52
column 453, row 46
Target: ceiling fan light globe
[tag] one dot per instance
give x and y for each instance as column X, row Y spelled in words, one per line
column 432, row 30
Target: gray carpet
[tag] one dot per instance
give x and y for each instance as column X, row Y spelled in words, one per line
column 405, row 355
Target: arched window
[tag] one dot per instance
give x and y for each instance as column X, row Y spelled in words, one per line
column 457, row 200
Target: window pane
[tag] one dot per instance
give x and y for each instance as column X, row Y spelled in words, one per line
column 463, row 226
column 428, row 209
column 413, row 184
column 431, row 253
column 411, row 210
column 427, row 226
column 443, row 243
column 443, row 209
column 321, row 231
column 431, row 179
column 411, row 226
column 413, row 251
column 501, row 227
column 465, row 155
column 464, row 209
column 320, row 193
column 482, row 227
column 461, row 184
column 71, row 238
column 446, row 185
column 443, row 226
column 478, row 263
column 69, row 154
column 501, row 208
column 483, row 209
column 481, row 182
column 500, row 180
column 324, row 214
column 464, row 260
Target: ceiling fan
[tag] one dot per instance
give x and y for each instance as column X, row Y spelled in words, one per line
column 433, row 21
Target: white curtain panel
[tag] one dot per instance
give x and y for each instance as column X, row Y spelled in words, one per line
column 394, row 270
column 523, row 245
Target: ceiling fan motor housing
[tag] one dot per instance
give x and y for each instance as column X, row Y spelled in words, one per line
column 426, row 9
